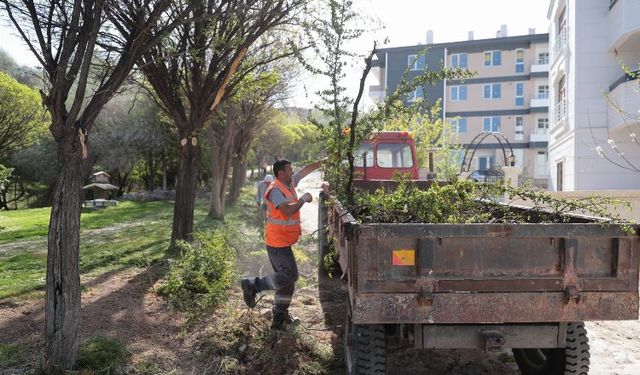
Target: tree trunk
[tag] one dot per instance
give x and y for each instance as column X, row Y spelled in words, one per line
column 221, row 142
column 62, row 306
column 238, row 178
column 186, row 186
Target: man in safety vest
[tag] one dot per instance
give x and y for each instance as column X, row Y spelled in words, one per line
column 282, row 230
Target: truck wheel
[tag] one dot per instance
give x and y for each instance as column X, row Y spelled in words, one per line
column 364, row 347
column 323, row 241
column 572, row 359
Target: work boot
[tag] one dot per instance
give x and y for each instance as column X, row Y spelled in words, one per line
column 282, row 321
column 249, row 291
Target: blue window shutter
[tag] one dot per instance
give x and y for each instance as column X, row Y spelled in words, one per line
column 487, row 91
column 496, row 90
column 519, row 68
column 519, row 101
column 454, row 60
column 497, row 57
column 463, row 60
column 483, row 163
column 463, row 93
column 519, row 89
column 486, row 126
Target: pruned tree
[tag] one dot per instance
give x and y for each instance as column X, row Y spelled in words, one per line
column 69, row 38
column 195, row 69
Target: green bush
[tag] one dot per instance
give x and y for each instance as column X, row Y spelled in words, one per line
column 102, row 355
column 201, row 278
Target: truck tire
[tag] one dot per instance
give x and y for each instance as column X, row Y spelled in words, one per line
column 323, row 240
column 572, row 359
column 365, row 352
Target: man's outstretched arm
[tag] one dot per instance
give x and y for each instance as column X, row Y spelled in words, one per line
column 309, row 168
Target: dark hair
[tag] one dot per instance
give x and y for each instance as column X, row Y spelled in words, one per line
column 279, row 166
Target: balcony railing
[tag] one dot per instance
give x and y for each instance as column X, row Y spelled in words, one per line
column 560, row 112
column 542, row 61
column 560, row 43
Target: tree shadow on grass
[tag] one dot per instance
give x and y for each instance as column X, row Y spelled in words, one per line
column 119, row 304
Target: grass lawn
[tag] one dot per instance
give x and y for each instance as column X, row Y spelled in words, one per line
column 128, row 235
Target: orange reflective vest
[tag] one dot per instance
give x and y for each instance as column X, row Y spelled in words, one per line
column 281, row 230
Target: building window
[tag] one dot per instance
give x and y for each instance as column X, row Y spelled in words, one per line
column 491, row 91
column 415, row 63
column 543, row 92
column 486, row 162
column 543, row 125
column 541, row 164
column 520, row 94
column 543, row 58
column 493, row 58
column 559, row 176
column 415, row 95
column 459, row 60
column 491, row 124
column 519, row 128
column 519, row 61
column 459, row 124
column 458, row 93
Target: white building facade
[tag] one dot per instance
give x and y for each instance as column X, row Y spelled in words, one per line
column 592, row 144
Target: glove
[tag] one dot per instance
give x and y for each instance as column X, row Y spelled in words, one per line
column 306, row 197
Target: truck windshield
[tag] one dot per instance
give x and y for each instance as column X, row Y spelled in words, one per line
column 394, row 155
column 357, row 156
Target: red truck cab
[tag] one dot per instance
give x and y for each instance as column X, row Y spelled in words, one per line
column 387, row 153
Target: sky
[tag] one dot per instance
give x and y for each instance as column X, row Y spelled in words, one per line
column 405, row 23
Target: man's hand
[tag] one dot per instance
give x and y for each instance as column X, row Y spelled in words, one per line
column 306, row 197
column 325, row 187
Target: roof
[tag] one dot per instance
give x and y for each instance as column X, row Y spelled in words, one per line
column 96, row 185
column 101, row 172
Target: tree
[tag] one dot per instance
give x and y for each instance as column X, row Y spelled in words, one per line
column 328, row 31
column 195, row 69
column 76, row 42
column 22, row 118
column 130, row 130
column 432, row 136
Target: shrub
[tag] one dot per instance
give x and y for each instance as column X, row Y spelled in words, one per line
column 201, row 278
column 102, row 355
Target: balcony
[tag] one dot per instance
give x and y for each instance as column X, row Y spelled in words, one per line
column 539, row 135
column 540, row 66
column 560, row 44
column 624, row 25
column 624, row 101
column 540, row 101
column 560, row 112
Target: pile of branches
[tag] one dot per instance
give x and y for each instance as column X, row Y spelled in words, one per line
column 465, row 201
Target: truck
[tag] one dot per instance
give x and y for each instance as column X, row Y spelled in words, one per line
column 528, row 287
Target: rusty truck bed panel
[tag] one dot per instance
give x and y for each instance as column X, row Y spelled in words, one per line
column 488, row 273
column 463, row 308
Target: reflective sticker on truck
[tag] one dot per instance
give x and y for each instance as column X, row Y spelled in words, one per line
column 403, row 257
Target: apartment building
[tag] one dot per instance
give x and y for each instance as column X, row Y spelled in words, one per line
column 592, row 146
column 509, row 95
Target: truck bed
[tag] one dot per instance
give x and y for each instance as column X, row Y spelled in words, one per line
column 486, row 273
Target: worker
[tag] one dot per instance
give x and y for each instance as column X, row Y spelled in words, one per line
column 282, row 230
column 261, row 187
